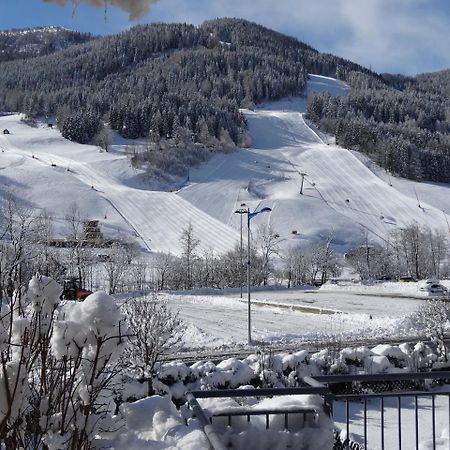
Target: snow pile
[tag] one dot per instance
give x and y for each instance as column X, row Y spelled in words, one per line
column 442, row 443
column 310, row 432
column 374, row 286
column 154, row 422
column 236, row 372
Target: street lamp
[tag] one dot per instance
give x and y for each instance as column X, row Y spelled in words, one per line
column 240, row 212
column 250, row 216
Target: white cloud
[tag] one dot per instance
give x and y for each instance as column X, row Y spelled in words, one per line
column 408, row 36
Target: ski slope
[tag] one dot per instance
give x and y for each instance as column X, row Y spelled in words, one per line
column 343, row 192
column 52, row 166
column 340, row 195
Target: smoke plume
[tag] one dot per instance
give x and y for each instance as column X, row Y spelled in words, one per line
column 136, row 9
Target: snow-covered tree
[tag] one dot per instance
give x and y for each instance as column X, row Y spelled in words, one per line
column 18, row 232
column 268, row 242
column 433, row 317
column 79, row 255
column 155, row 331
column 189, row 244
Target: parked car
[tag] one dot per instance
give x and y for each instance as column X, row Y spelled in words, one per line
column 433, row 286
column 437, row 288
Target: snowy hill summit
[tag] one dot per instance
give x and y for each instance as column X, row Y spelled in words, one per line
column 30, row 42
column 314, row 188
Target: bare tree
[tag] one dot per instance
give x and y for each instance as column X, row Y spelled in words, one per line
column 438, row 248
column 17, row 234
column 268, row 240
column 162, row 265
column 189, row 244
column 419, row 251
column 116, row 267
column 155, row 331
column 79, row 255
column 295, row 266
column 138, row 274
column 103, row 138
column 321, row 260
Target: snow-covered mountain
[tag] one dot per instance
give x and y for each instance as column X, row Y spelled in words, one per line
column 343, row 193
column 27, row 42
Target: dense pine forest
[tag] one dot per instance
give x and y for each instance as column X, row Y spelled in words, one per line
column 185, row 84
column 403, row 123
column 164, row 79
column 25, row 43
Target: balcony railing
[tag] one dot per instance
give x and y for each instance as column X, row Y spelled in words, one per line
column 385, row 411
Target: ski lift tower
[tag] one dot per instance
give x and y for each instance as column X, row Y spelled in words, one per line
column 303, row 175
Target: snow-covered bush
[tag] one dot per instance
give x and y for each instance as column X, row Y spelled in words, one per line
column 422, row 357
column 57, row 366
column 354, row 358
column 394, row 354
column 158, row 334
column 287, row 369
column 433, row 318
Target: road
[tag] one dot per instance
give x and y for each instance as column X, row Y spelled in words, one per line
column 279, row 317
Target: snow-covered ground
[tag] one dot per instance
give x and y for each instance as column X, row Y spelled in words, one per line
column 155, row 423
column 334, row 312
column 340, row 195
column 343, row 193
column 391, row 425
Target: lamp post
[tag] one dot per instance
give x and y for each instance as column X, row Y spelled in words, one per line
column 250, row 216
column 241, row 211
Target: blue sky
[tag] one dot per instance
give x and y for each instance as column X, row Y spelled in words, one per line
column 405, row 36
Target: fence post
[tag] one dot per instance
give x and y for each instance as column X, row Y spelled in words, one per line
column 214, row 440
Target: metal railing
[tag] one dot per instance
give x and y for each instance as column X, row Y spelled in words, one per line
column 399, row 395
column 394, row 401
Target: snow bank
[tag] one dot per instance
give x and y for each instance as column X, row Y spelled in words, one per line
column 313, row 433
column 155, row 423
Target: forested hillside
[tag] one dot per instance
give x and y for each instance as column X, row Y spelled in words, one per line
column 28, row 42
column 181, row 84
column 165, row 80
column 404, row 124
